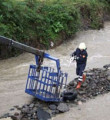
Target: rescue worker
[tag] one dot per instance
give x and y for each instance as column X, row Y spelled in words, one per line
column 80, row 55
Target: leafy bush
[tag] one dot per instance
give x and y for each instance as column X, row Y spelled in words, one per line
column 105, row 1
column 37, row 23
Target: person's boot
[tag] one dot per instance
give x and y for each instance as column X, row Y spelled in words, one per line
column 78, row 85
column 84, row 78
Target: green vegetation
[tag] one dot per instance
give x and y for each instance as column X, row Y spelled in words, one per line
column 38, row 22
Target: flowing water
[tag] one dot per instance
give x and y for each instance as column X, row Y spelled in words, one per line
column 13, row 71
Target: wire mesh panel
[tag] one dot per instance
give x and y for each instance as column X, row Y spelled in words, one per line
column 45, row 85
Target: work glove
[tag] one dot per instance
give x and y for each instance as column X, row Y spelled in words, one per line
column 76, row 58
column 71, row 59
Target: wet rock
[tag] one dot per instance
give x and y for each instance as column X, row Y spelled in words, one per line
column 5, row 115
column 84, row 84
column 16, row 116
column 81, row 92
column 25, row 110
column 35, row 109
column 52, row 107
column 108, row 88
column 43, row 115
column 11, row 109
column 83, row 100
column 62, row 107
column 108, row 72
column 106, row 66
column 31, row 105
column 18, row 107
column 54, row 112
column 73, row 83
column 15, row 111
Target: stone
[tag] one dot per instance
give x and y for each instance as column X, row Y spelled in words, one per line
column 72, row 83
column 25, row 110
column 83, row 100
column 84, row 84
column 12, row 113
column 31, row 105
column 5, row 115
column 108, row 88
column 79, row 108
column 52, row 107
column 54, row 112
column 16, row 116
column 42, row 115
column 34, row 116
column 81, row 92
column 106, row 66
column 108, row 72
column 11, row 109
column 35, row 109
column 62, row 107
column 29, row 115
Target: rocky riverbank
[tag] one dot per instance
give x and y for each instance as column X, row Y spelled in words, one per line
column 97, row 83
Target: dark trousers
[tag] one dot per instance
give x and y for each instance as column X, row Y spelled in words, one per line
column 80, row 69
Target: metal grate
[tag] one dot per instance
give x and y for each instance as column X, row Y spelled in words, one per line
column 47, row 85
